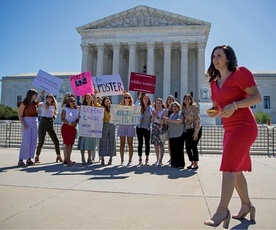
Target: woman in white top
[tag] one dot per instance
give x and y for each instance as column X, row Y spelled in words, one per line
column 65, row 99
column 70, row 118
column 49, row 111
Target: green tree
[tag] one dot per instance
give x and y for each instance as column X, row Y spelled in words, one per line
column 262, row 118
column 8, row 113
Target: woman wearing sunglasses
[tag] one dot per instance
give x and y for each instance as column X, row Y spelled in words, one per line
column 70, row 118
column 88, row 143
column 126, row 132
column 49, row 110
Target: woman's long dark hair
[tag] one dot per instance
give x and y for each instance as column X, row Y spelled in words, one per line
column 232, row 62
column 183, row 107
column 29, row 95
column 103, row 104
column 144, row 107
column 159, row 99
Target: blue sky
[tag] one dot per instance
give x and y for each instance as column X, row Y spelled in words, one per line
column 41, row 34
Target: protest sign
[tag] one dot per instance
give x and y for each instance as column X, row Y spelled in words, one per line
column 108, row 85
column 82, row 84
column 125, row 115
column 91, row 121
column 141, row 82
column 47, row 82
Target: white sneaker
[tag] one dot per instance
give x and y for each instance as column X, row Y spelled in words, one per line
column 129, row 164
column 155, row 164
column 122, row 164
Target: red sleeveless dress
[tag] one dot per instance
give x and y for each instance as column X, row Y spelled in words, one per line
column 240, row 130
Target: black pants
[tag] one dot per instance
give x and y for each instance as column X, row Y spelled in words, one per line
column 141, row 135
column 177, row 151
column 191, row 145
column 46, row 125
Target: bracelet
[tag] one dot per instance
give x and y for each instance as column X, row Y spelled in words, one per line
column 236, row 107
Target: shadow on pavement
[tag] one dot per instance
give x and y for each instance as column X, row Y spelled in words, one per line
column 103, row 171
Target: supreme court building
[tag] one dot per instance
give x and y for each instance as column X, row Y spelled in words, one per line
column 152, row 41
column 145, row 40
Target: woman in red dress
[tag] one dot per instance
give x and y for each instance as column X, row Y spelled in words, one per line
column 234, row 90
column 69, row 117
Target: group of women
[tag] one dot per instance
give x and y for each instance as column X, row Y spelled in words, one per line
column 233, row 90
column 154, row 120
column 183, row 125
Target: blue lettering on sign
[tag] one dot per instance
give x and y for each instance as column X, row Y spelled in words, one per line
column 131, row 120
column 91, row 118
column 86, row 125
column 123, row 113
column 110, row 86
column 94, row 131
column 88, row 109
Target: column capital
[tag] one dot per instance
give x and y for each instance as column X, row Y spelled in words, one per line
column 84, row 47
column 116, row 45
column 91, row 49
column 100, row 46
column 201, row 44
column 132, row 45
column 92, row 52
column 184, row 44
column 167, row 44
column 150, row 45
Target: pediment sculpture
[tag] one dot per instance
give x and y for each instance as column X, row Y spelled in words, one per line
column 143, row 17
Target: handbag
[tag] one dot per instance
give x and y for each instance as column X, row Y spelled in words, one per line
column 164, row 136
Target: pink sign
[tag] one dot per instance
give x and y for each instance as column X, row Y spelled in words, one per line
column 141, row 82
column 82, row 84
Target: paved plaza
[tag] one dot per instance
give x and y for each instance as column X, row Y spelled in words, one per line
column 50, row 195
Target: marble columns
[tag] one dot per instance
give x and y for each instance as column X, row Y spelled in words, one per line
column 100, row 57
column 150, row 61
column 184, row 47
column 167, row 69
column 201, row 79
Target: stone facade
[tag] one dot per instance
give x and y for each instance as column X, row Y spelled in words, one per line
column 144, row 39
column 14, row 89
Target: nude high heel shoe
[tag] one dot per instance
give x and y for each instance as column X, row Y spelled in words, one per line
column 215, row 222
column 251, row 210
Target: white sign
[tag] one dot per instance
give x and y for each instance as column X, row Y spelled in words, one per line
column 47, row 82
column 108, row 85
column 91, row 121
column 125, row 115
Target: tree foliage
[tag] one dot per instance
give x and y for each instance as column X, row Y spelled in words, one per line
column 262, row 118
column 8, row 113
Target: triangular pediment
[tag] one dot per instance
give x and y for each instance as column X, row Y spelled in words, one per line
column 143, row 16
